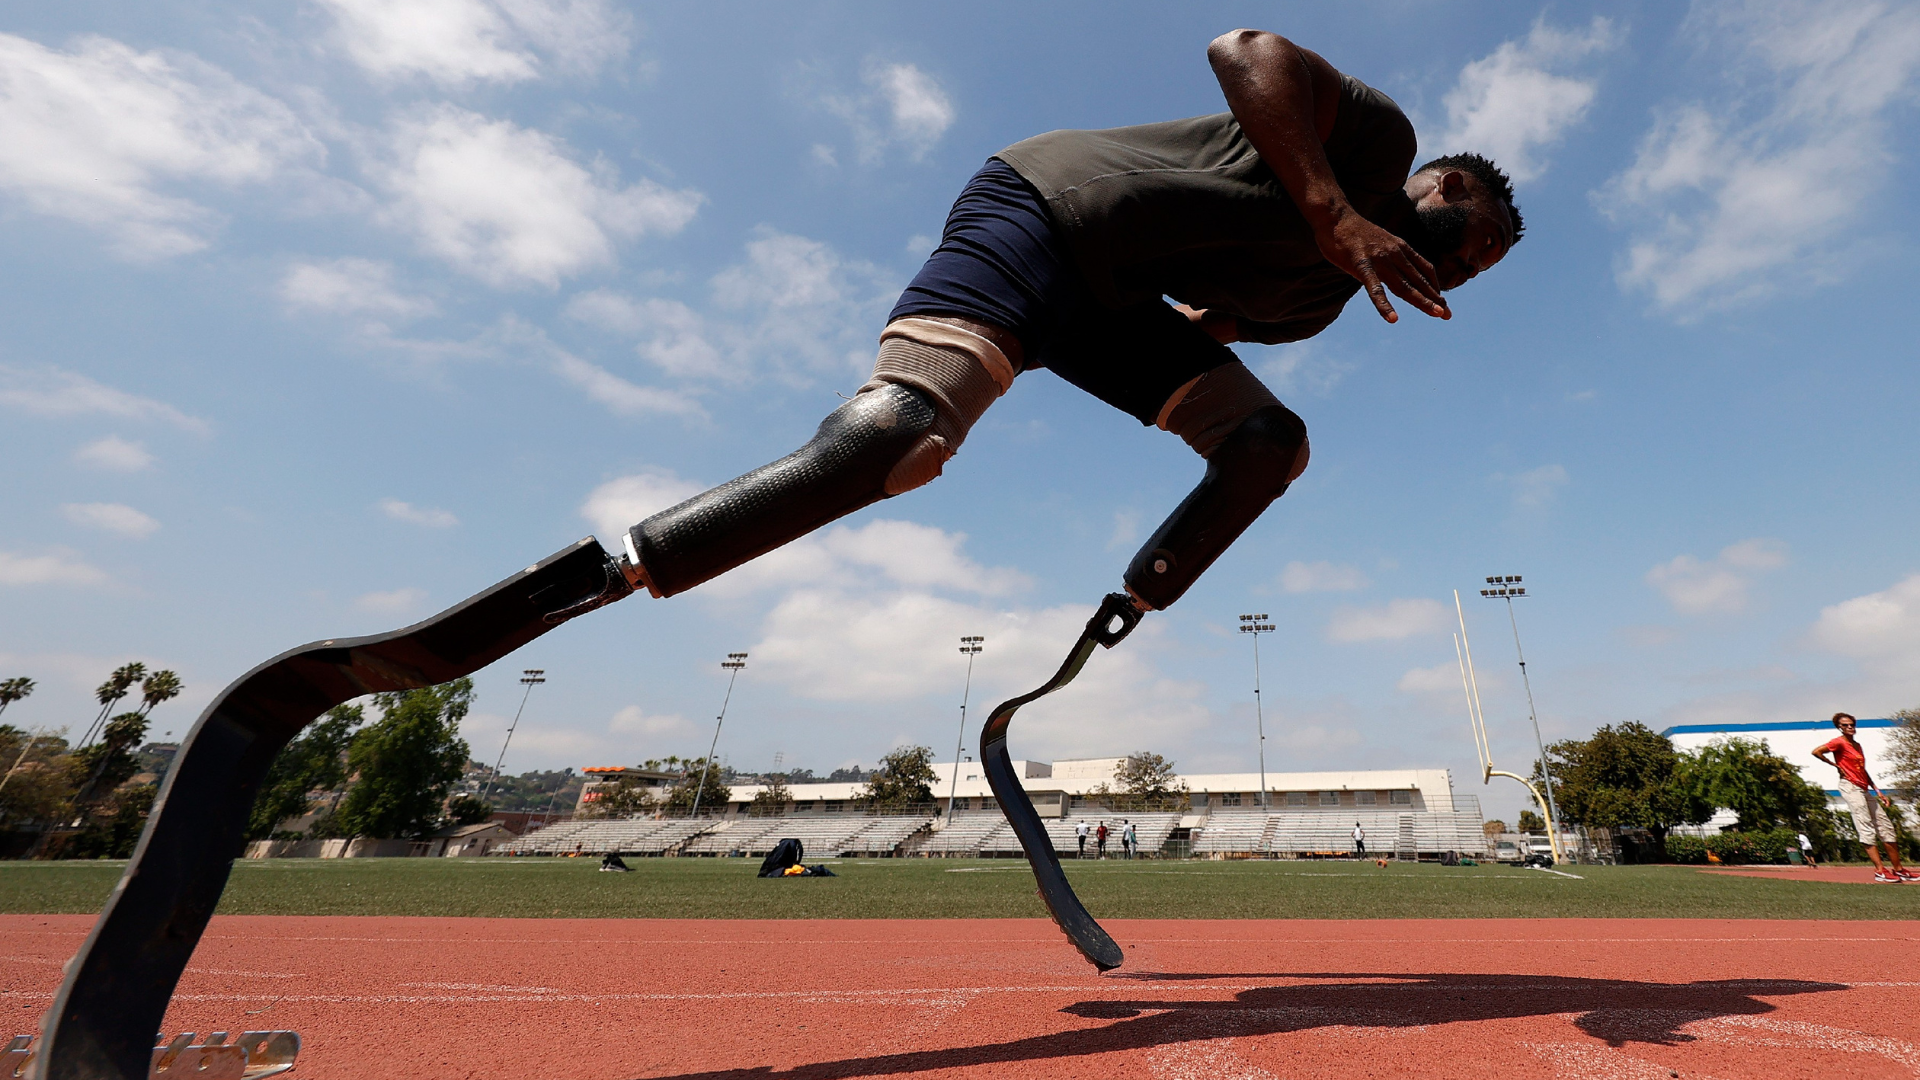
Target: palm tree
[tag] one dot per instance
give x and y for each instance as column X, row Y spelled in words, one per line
column 12, row 690
column 110, row 692
column 159, row 687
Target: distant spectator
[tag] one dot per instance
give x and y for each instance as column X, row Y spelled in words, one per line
column 1129, row 840
column 1080, row 832
column 1867, row 803
column 1806, row 850
column 1359, row 841
column 1100, row 839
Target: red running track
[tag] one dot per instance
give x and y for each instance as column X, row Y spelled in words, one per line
column 576, row 999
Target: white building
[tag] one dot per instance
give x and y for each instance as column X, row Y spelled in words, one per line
column 1057, row 787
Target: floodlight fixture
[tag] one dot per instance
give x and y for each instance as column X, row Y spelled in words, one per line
column 1257, row 625
column 970, row 647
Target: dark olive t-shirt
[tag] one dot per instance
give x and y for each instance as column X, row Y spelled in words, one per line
column 1187, row 209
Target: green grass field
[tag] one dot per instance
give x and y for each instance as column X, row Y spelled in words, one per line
column 964, row 888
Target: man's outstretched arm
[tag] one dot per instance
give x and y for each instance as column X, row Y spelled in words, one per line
column 1286, row 99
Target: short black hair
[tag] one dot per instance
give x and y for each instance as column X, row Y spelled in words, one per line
column 1487, row 173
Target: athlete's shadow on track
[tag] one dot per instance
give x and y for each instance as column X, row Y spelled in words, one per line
column 1618, row 1011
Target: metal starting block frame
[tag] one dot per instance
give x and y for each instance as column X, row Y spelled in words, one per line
column 255, row 1055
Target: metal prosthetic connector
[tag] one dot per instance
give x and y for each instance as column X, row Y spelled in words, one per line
column 1249, row 469
column 841, row 469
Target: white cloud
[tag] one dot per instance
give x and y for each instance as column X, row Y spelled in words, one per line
column 1300, row 577
column 1126, row 529
column 428, row 516
column 507, row 205
column 1298, row 367
column 1718, row 585
column 58, row 568
column 634, row 720
column 1440, row 679
column 903, row 106
column 111, row 517
column 1729, row 199
column 459, row 42
column 514, row 338
column 349, row 286
column 391, row 602
column 878, row 554
column 114, row 454
column 619, row 504
column 1535, row 489
column 53, row 392
column 94, row 134
column 1511, row 105
column 1877, row 626
column 1399, row 619
column 793, row 309
column 884, row 646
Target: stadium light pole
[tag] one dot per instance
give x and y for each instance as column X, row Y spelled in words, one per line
column 1257, row 625
column 734, row 662
column 532, row 677
column 969, row 647
column 1507, row 587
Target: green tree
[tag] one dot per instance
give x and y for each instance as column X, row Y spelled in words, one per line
column 1748, row 778
column 699, row 778
column 315, row 760
column 96, row 770
column 772, row 800
column 405, row 762
column 1531, row 822
column 109, row 693
column 35, row 788
column 12, row 690
column 627, row 796
column 113, row 829
column 1147, row 782
column 1624, row 776
column 1903, row 754
column 905, row 778
column 468, row 810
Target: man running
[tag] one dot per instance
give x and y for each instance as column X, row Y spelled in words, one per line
column 1865, row 802
column 1260, row 223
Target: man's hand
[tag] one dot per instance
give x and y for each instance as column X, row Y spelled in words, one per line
column 1381, row 261
column 1219, row 325
column 1287, row 99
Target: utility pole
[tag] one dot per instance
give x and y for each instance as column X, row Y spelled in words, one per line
column 1507, row 587
column 1257, row 625
column 532, row 677
column 969, row 647
column 733, row 663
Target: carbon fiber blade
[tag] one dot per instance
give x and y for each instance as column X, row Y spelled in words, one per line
column 1069, row 914
column 116, row 991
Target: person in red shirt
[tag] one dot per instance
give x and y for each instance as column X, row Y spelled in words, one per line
column 1867, row 803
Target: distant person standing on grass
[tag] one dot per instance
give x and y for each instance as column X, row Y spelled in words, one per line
column 1129, row 840
column 1100, row 839
column 1359, row 841
column 1080, row 832
column 1867, row 803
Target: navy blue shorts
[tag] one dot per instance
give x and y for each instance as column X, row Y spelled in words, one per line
column 1001, row 262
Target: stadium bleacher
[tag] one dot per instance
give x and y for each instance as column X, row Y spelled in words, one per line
column 639, row 836
column 1311, row 833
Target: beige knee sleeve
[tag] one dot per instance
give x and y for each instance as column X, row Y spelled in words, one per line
column 961, row 371
column 1207, row 409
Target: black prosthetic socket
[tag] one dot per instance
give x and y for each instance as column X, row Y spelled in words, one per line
column 1244, row 476
column 841, row 469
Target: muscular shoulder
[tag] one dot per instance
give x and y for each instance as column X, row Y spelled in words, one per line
column 1373, row 143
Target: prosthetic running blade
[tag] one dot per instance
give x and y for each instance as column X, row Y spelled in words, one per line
column 116, row 990
column 1117, row 617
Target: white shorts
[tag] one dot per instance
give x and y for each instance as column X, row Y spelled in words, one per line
column 1870, row 821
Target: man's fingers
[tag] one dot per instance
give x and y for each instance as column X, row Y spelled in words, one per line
column 1401, row 287
column 1376, row 292
column 1418, row 275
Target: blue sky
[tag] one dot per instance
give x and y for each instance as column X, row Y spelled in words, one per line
column 318, row 320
